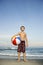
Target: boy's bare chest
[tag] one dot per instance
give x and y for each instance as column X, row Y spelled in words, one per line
column 22, row 35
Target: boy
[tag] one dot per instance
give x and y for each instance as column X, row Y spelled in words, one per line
column 23, row 44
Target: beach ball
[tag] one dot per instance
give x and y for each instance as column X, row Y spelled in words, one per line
column 16, row 40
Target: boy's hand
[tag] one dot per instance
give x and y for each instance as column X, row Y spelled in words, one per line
column 13, row 37
column 26, row 44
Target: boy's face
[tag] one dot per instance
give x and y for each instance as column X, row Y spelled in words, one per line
column 22, row 29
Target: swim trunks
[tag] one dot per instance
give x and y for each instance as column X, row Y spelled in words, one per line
column 21, row 47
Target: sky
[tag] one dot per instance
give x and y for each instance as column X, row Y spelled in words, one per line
column 15, row 13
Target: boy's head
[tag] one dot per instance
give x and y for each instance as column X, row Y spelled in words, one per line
column 22, row 28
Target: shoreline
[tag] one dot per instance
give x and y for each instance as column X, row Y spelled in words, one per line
column 15, row 57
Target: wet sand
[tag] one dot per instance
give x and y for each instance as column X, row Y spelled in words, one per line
column 15, row 62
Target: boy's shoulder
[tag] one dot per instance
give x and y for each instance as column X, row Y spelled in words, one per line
column 23, row 33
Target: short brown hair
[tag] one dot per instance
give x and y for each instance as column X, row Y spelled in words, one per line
column 22, row 26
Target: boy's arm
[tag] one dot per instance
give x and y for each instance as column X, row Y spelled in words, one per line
column 14, row 35
column 26, row 41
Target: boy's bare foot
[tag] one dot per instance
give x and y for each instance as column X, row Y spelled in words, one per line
column 25, row 60
column 18, row 60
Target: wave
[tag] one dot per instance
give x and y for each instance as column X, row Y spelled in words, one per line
column 8, row 54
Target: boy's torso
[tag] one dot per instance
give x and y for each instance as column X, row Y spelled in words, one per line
column 22, row 36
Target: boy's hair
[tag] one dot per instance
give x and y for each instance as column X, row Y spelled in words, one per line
column 22, row 26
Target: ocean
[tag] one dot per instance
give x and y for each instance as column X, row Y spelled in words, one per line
column 31, row 53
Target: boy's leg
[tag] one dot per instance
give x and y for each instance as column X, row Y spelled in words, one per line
column 24, row 55
column 18, row 56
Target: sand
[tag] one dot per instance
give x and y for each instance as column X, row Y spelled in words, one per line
column 15, row 62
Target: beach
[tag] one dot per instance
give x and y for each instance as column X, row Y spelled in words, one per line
column 10, row 56
column 15, row 62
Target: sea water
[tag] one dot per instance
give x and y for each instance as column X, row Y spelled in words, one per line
column 31, row 53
